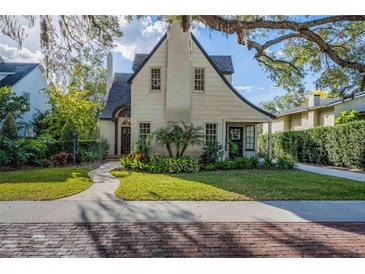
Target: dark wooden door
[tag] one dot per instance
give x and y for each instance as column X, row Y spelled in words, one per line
column 125, row 140
column 236, row 136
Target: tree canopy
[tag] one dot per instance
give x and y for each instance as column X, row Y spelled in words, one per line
column 66, row 40
column 290, row 48
column 71, row 111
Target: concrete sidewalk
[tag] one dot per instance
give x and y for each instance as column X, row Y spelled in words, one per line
column 181, row 211
column 333, row 172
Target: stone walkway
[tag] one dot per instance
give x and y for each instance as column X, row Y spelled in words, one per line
column 103, row 187
column 183, row 240
column 333, row 172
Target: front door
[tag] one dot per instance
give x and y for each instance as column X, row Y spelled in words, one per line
column 236, row 137
column 125, row 140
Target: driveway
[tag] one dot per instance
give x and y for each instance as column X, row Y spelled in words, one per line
column 183, row 240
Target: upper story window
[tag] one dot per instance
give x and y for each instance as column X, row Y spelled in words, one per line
column 199, row 79
column 250, row 137
column 155, row 79
column 210, row 133
column 144, row 130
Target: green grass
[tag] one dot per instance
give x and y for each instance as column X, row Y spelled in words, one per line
column 237, row 185
column 43, row 183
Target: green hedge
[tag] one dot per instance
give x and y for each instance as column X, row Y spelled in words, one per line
column 340, row 145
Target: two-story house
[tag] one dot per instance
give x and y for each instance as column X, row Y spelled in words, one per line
column 26, row 78
column 177, row 81
column 317, row 112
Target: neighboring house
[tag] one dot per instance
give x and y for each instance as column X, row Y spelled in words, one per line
column 318, row 112
column 26, row 78
column 177, row 81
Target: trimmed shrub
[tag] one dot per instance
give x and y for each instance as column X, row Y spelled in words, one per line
column 340, row 145
column 161, row 164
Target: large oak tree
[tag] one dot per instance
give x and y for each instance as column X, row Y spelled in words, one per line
column 331, row 49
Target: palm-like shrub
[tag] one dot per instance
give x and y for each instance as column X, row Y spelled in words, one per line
column 181, row 136
column 164, row 136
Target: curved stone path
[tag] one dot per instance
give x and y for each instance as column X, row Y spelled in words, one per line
column 103, row 187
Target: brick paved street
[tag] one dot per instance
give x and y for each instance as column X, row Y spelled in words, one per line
column 183, row 240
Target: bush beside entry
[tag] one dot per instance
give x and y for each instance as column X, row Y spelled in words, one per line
column 340, row 145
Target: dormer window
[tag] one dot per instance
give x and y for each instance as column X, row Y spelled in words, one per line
column 155, row 79
column 199, row 79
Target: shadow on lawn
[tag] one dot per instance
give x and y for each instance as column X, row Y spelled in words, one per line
column 42, row 175
column 187, row 239
column 259, row 185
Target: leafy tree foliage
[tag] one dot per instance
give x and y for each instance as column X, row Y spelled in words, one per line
column 11, row 103
column 72, row 111
column 291, row 48
column 92, row 79
column 290, row 100
column 9, row 129
column 39, row 122
column 66, row 40
column 348, row 117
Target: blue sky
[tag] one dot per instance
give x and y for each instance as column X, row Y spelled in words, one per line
column 141, row 36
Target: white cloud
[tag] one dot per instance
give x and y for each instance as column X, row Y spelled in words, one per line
column 139, row 36
column 245, row 88
column 13, row 54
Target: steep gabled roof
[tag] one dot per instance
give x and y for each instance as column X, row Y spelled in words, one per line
column 119, row 95
column 16, row 72
column 229, row 85
column 223, row 62
column 145, row 60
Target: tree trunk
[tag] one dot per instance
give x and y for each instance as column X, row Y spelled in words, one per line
column 183, row 149
column 168, row 147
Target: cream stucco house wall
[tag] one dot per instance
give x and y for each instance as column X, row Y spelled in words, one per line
column 179, row 81
column 317, row 113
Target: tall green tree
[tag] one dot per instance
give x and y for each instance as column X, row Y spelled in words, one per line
column 292, row 48
column 90, row 78
column 11, row 103
column 72, row 111
column 9, row 129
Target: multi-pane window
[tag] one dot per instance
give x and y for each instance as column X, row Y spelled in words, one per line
column 155, row 79
column 210, row 133
column 144, row 130
column 250, row 137
column 199, row 79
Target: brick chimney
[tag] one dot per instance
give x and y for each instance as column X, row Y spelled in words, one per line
column 109, row 73
column 314, row 100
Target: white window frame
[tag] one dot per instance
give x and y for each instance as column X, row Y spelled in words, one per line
column 154, row 88
column 208, row 136
column 199, row 82
column 251, row 138
column 142, row 135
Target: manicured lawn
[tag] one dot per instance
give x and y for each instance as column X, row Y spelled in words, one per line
column 237, row 185
column 43, row 183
